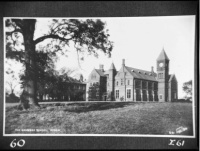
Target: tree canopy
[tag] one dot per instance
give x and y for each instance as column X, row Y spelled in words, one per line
column 86, row 35
column 187, row 88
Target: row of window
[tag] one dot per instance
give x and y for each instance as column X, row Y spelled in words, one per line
column 162, row 97
column 94, row 83
column 160, row 76
column 128, row 94
column 122, row 82
column 146, row 85
column 138, row 84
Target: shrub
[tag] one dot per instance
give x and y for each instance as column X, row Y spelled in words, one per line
column 12, row 98
column 122, row 98
column 182, row 100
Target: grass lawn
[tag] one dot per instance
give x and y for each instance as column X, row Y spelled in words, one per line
column 102, row 118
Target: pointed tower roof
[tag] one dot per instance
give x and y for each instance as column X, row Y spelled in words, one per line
column 112, row 67
column 163, row 55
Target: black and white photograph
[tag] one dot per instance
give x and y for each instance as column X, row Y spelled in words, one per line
column 130, row 76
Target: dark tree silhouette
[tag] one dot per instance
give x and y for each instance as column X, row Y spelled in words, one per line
column 94, row 92
column 88, row 35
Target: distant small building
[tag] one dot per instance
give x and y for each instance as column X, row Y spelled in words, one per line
column 131, row 84
column 75, row 90
column 78, row 90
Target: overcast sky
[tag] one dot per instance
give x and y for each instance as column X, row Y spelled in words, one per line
column 139, row 40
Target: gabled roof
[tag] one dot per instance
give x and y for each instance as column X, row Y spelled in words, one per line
column 100, row 72
column 163, row 55
column 73, row 80
column 171, row 77
column 141, row 74
column 112, row 67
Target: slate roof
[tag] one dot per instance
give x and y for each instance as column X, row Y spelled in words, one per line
column 171, row 77
column 100, row 72
column 142, row 74
column 163, row 55
column 73, row 80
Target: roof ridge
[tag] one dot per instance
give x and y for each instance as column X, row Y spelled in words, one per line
column 139, row 69
column 101, row 73
column 141, row 76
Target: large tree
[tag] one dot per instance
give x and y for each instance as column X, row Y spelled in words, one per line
column 86, row 35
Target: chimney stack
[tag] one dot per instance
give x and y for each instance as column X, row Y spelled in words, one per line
column 123, row 62
column 81, row 78
column 152, row 69
column 101, row 67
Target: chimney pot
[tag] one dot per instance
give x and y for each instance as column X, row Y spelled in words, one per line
column 123, row 62
column 152, row 69
column 101, row 67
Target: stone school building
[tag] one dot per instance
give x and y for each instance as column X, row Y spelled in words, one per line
column 131, row 84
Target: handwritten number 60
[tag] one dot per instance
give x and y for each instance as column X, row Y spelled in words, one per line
column 20, row 143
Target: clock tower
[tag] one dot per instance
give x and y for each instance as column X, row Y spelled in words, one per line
column 163, row 76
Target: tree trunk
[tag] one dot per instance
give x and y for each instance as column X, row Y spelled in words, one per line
column 30, row 64
column 41, row 96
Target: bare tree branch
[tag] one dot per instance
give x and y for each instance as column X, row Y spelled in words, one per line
column 51, row 36
column 14, row 31
column 59, row 25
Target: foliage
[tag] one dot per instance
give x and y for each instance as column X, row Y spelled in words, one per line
column 109, row 96
column 12, row 75
column 93, row 93
column 86, row 35
column 122, row 98
column 59, row 85
column 187, row 88
column 12, row 98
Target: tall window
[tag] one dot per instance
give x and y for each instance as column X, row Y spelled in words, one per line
column 128, row 82
column 128, row 93
column 117, row 94
column 174, row 95
column 116, row 83
column 122, row 81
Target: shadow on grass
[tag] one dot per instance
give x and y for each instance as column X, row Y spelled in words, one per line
column 79, row 107
column 96, row 106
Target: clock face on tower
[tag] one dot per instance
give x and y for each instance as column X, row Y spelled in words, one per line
column 161, row 64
